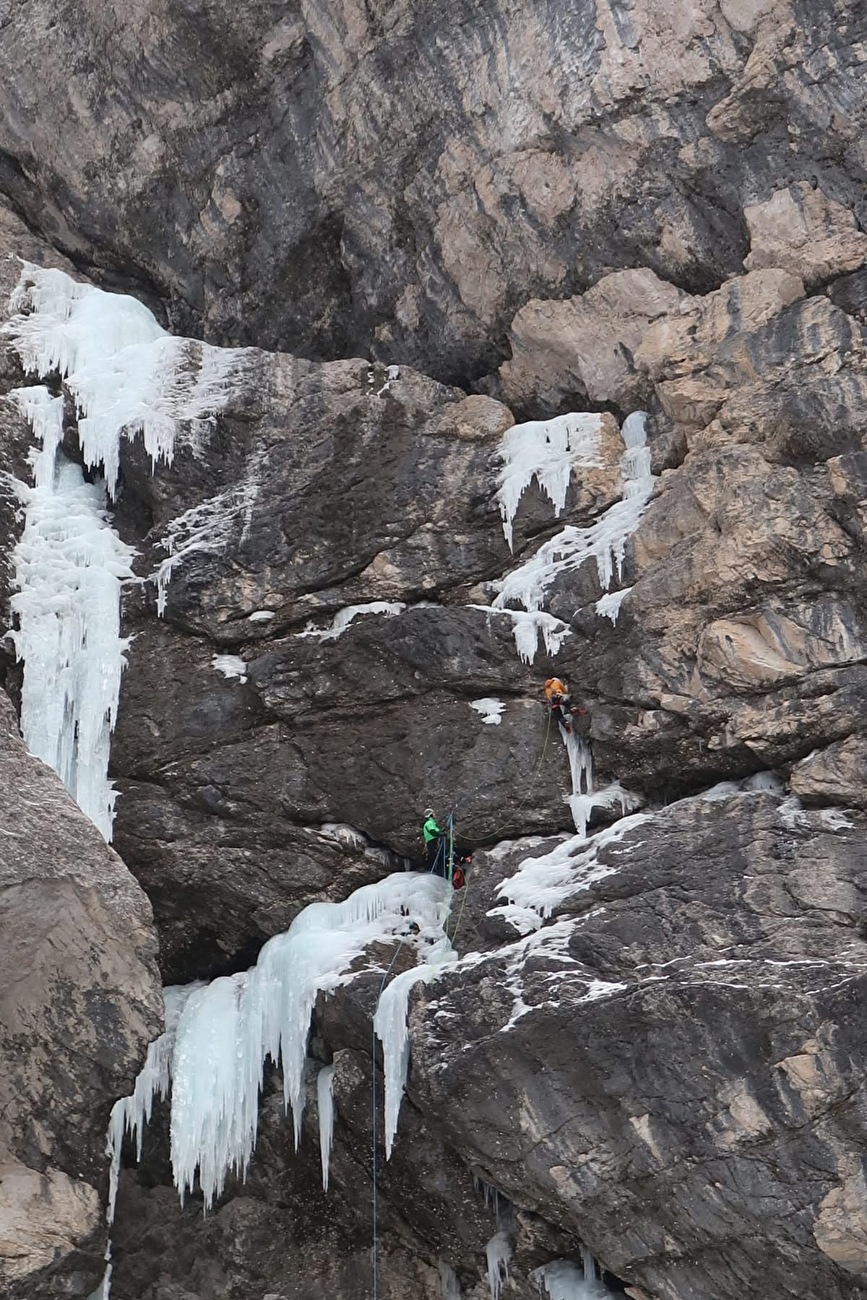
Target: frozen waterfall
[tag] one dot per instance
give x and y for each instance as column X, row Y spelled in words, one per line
column 220, row 1035
column 539, row 450
column 69, row 569
column 126, row 376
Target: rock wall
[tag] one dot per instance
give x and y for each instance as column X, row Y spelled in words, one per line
column 339, row 177
column 79, row 1003
column 611, row 208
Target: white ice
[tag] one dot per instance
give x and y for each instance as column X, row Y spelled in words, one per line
column 261, row 616
column 547, row 451
column 125, row 373
column 584, row 800
column 609, row 604
column 489, row 709
column 230, row 666
column 391, row 1030
column 541, row 884
column 562, row 1279
column 499, row 1253
column 604, row 541
column 528, row 626
column 130, row 1114
column 449, row 1284
column 345, row 835
column 230, row 1027
column 325, row 1109
column 344, row 617
column 208, row 528
column 69, row 569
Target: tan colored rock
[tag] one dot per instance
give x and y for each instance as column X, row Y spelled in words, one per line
column 79, row 1001
column 836, row 774
column 743, row 15
column 43, row 1217
column 582, row 347
column 841, row 1227
column 803, row 231
column 772, row 646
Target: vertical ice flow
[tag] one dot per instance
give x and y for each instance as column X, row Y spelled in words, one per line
column 325, row 1108
column 499, row 1253
column 126, row 376
column 449, row 1284
column 391, row 1030
column 69, row 568
column 229, row 1028
column 603, row 541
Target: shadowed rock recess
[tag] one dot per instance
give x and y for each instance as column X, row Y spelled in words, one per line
column 365, row 241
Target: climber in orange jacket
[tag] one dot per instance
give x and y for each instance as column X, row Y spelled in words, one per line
column 560, row 703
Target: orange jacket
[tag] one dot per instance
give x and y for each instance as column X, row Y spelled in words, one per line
column 554, row 686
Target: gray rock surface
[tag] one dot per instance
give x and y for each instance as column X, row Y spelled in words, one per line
column 685, row 1043
column 269, row 175
column 79, row 1001
column 610, row 207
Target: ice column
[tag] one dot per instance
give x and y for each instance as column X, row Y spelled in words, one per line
column 499, row 1253
column 391, row 1030
column 69, row 568
column 325, row 1107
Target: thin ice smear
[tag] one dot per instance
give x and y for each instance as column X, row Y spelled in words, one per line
column 541, row 884
column 345, row 617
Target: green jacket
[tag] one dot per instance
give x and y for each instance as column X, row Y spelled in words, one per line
column 430, row 830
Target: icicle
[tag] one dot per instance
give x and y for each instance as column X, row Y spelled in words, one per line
column 130, row 1114
column 391, row 1030
column 69, row 568
column 564, row 1280
column 609, row 604
column 605, row 540
column 499, row 1253
column 588, row 1263
column 451, row 1287
column 325, row 1107
column 230, row 1027
column 126, row 374
column 546, row 450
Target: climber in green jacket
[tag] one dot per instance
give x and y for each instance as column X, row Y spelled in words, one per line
column 434, row 838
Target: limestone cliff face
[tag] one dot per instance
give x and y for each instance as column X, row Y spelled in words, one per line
column 602, row 207
column 330, row 177
column 79, row 1003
